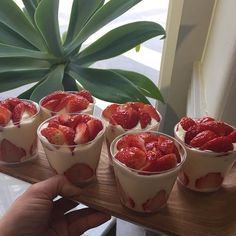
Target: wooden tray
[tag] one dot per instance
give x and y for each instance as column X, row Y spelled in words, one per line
column 187, row 212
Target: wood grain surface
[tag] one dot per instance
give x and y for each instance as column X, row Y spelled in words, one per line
column 186, row 213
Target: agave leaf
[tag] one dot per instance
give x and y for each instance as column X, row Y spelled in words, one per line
column 52, row 83
column 120, row 40
column 46, row 19
column 7, row 51
column 70, row 84
column 102, row 16
column 12, row 16
column 81, row 11
column 107, row 85
column 30, row 9
column 143, row 83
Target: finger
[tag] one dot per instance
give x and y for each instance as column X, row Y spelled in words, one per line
column 85, row 219
column 52, row 187
column 63, row 205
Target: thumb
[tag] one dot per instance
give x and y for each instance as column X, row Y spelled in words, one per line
column 52, row 187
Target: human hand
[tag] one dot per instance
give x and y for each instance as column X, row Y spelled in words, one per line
column 35, row 213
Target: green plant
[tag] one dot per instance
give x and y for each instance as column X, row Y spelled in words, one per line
column 32, row 50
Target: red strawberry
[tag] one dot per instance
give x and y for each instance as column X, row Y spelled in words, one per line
column 109, row 110
column 62, row 103
column 12, row 102
column 232, row 136
column 64, row 119
column 187, row 122
column 86, row 94
column 166, row 162
column 204, row 119
column 165, row 144
column 17, row 112
column 54, row 122
column 131, row 140
column 202, row 138
column 5, row 115
column 184, row 179
column 132, row 157
column 94, row 127
column 151, row 163
column 148, row 137
column 220, row 128
column 69, row 134
column 4, row 103
column 192, row 132
column 51, row 104
column 219, row 144
column 79, row 172
column 81, row 133
column 151, row 111
column 77, row 104
column 57, row 95
column 211, row 180
column 156, row 202
column 136, row 105
column 53, row 135
column 30, row 107
column 9, row 152
column 145, row 119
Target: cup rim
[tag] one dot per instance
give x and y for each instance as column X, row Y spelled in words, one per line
column 208, row 152
column 40, row 101
column 65, row 145
column 147, row 174
column 31, row 117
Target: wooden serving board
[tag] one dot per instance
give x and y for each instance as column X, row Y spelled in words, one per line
column 186, row 213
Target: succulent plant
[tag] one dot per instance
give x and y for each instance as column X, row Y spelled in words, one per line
column 33, row 51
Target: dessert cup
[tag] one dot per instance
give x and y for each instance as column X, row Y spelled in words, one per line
column 144, row 191
column 46, row 113
column 77, row 162
column 204, row 170
column 18, row 141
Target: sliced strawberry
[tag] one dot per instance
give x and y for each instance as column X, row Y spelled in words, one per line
column 145, row 119
column 131, row 140
column 219, row 144
column 51, row 104
column 151, row 111
column 5, row 104
column 69, row 134
column 57, row 95
column 220, row 128
column 62, row 103
column 184, row 179
column 77, row 104
column 151, row 163
column 202, row 138
column 79, row 172
column 81, row 133
column 18, row 112
column 187, row 122
column 165, row 144
column 12, row 102
column 86, row 94
column 192, row 132
column 132, row 157
column 148, row 137
column 232, row 136
column 156, row 202
column 109, row 110
column 136, row 105
column 9, row 152
column 30, row 107
column 166, row 162
column 53, row 135
column 5, row 115
column 204, row 119
column 209, row 181
column 94, row 127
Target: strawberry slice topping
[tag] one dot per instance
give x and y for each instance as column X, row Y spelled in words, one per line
column 30, row 108
column 232, row 136
column 109, row 111
column 77, row 104
column 53, row 135
column 187, row 122
column 94, row 127
column 18, row 112
column 86, row 94
column 5, row 115
column 69, row 134
column 145, row 119
column 152, row 112
column 219, row 144
column 51, row 104
column 57, row 95
column 131, row 140
column 82, row 133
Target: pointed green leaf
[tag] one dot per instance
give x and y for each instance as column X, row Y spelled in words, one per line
column 103, row 16
column 52, row 83
column 81, row 11
column 12, row 16
column 70, row 84
column 143, row 83
column 137, row 48
column 46, row 18
column 107, row 85
column 7, row 51
column 120, row 40
column 30, row 9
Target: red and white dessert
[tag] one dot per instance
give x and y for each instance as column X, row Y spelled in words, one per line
column 132, row 116
column 19, row 120
column 211, row 152
column 60, row 102
column 146, row 165
column 73, row 144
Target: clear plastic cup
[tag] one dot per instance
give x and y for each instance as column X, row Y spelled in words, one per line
column 18, row 142
column 46, row 113
column 204, row 171
column 144, row 191
column 77, row 162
